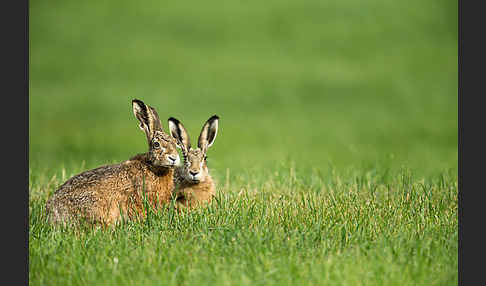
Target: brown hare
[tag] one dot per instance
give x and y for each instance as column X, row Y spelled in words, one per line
column 103, row 194
column 194, row 185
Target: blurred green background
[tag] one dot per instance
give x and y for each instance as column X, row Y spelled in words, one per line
column 321, row 84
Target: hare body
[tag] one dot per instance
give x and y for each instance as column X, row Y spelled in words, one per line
column 103, row 194
column 194, row 185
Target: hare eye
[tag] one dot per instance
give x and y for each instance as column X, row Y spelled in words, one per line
column 156, row 144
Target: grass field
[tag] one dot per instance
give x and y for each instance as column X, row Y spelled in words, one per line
column 336, row 158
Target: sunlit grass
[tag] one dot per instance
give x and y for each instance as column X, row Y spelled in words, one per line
column 287, row 229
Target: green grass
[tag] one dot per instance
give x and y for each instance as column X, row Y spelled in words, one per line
column 360, row 229
column 336, row 156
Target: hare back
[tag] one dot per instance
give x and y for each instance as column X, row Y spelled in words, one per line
column 104, row 193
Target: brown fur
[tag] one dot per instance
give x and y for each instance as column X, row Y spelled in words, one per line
column 104, row 194
column 190, row 194
column 100, row 194
column 194, row 185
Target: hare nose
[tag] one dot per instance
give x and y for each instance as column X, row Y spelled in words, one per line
column 194, row 173
column 173, row 158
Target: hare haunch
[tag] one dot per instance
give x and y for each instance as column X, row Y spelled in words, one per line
column 103, row 194
column 194, row 185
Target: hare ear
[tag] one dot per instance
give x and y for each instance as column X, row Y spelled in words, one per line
column 148, row 117
column 155, row 123
column 208, row 133
column 178, row 131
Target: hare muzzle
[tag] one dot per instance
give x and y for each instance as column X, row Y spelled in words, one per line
column 173, row 159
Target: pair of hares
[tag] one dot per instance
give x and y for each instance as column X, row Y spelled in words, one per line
column 104, row 194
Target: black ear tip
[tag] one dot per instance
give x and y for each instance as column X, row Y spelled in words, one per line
column 214, row 117
column 138, row 101
column 174, row 120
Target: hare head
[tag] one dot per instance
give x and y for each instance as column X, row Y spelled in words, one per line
column 195, row 166
column 162, row 147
